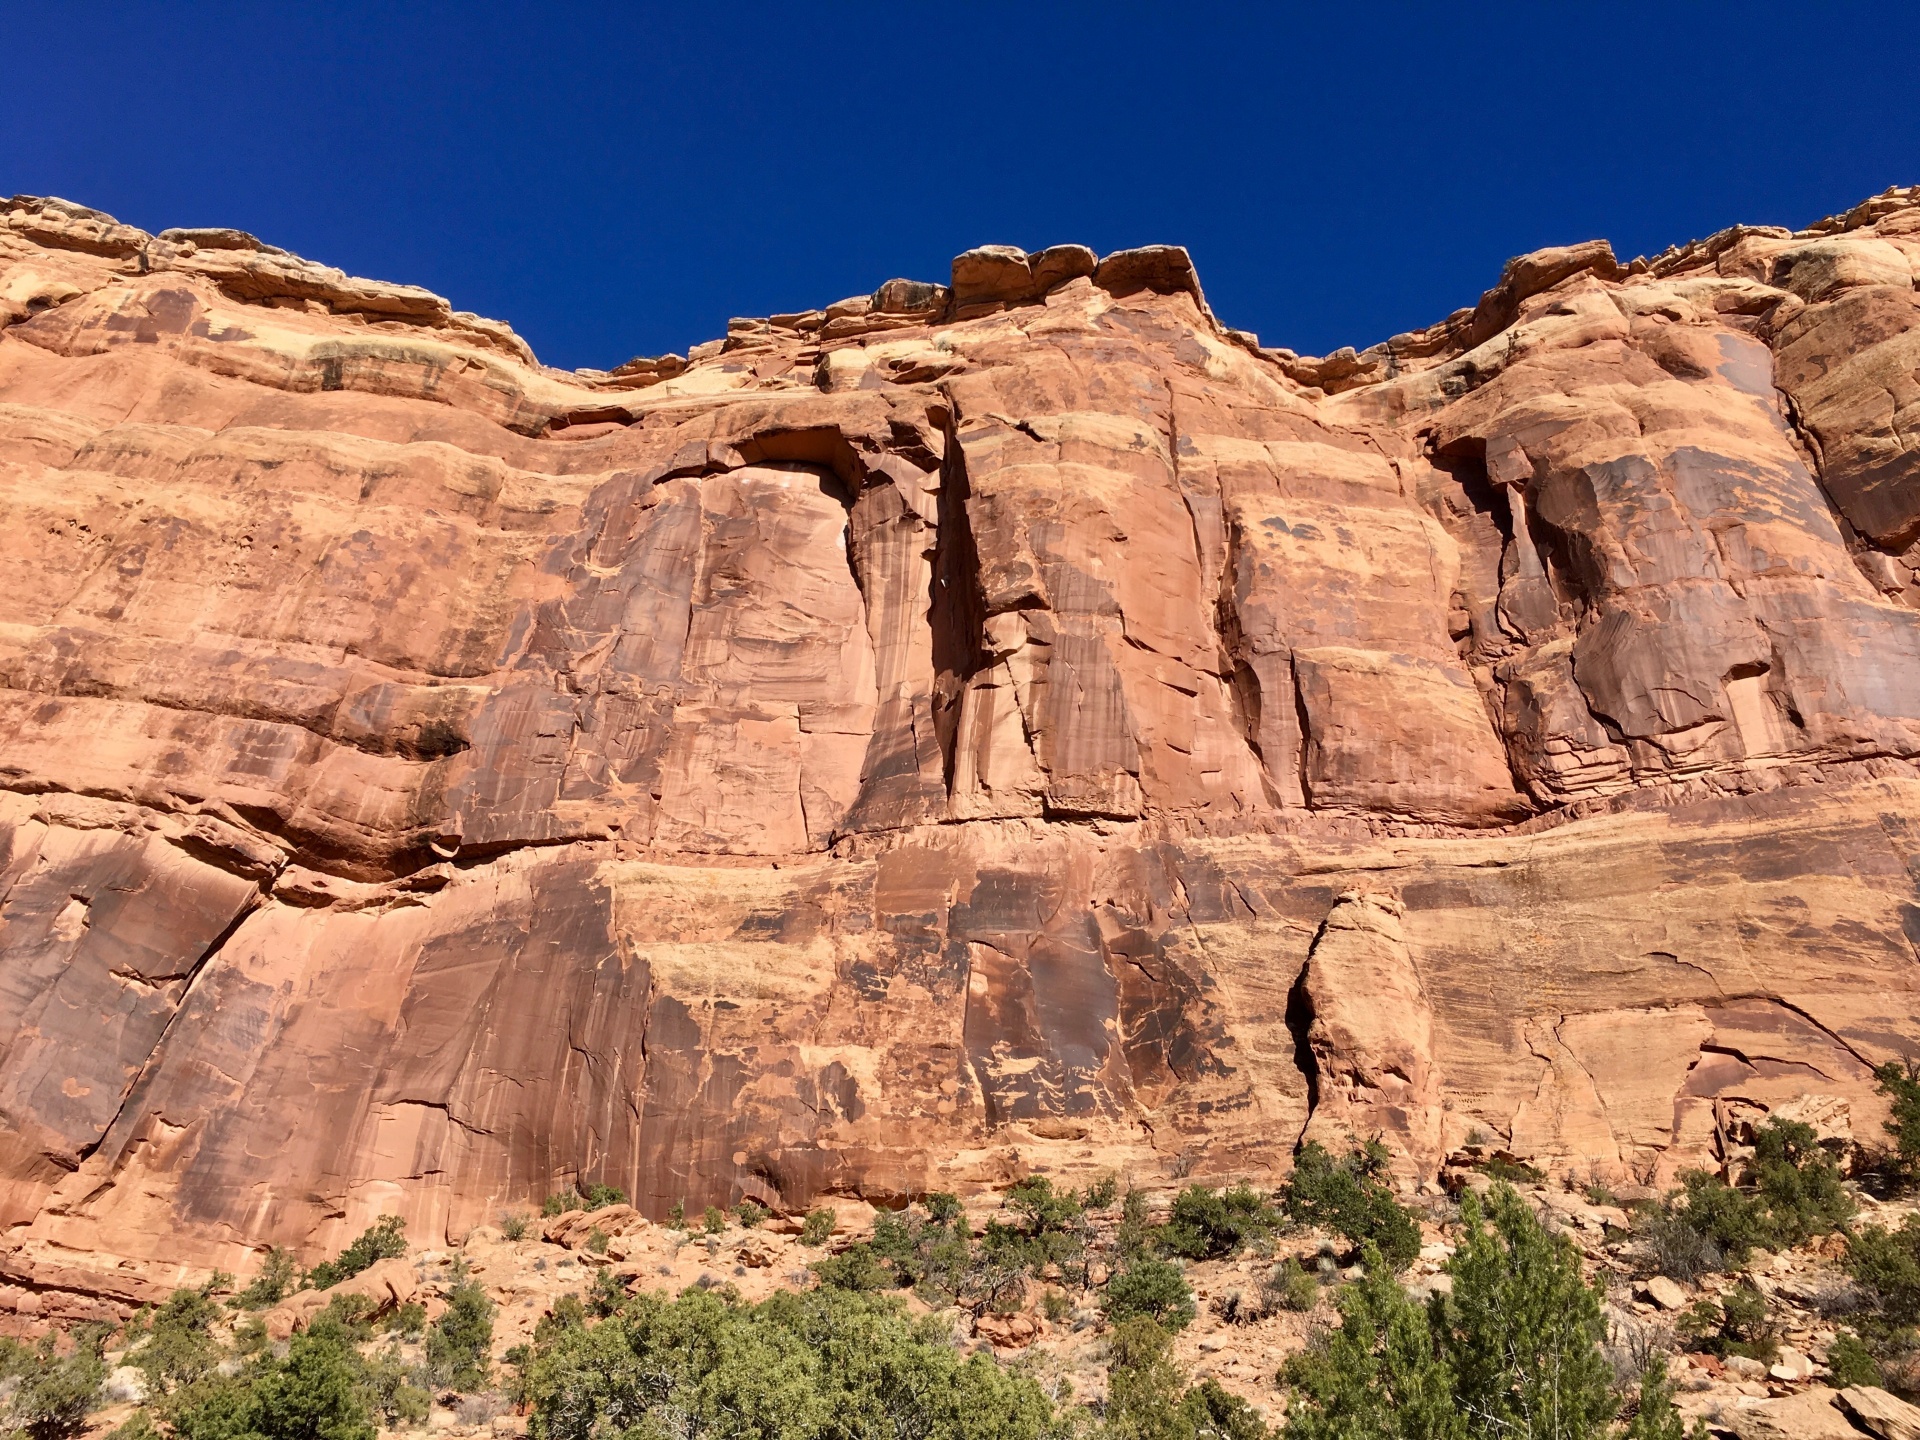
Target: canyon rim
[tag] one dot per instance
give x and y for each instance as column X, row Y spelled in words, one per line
column 1016, row 724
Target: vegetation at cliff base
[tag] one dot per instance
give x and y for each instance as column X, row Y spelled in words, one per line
column 385, row 1240
column 812, row 1365
column 1513, row 1350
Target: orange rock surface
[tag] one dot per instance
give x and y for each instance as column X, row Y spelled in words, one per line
column 968, row 729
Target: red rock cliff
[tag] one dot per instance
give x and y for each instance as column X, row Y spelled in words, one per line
column 1019, row 723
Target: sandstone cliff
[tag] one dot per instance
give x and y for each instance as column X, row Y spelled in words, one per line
column 1017, row 723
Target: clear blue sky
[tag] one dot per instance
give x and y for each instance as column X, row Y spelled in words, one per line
column 618, row 180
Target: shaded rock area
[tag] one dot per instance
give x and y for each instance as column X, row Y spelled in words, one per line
column 1009, row 724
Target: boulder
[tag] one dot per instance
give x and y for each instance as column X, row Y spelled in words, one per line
column 1163, row 269
column 1007, row 1332
column 388, row 1284
column 1810, row 1415
column 1665, row 1293
column 1881, row 1414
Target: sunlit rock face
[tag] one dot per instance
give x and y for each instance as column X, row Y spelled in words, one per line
column 969, row 729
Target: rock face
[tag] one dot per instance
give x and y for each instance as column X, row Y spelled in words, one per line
column 1010, row 724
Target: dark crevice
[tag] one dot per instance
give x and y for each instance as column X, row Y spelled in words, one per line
column 1306, row 733
column 1300, row 1025
column 957, row 605
column 1573, row 570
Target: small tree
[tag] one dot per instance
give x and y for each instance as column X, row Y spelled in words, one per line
column 458, row 1342
column 1378, row 1375
column 314, row 1394
column 1151, row 1288
column 57, row 1392
column 385, row 1239
column 1655, row 1417
column 179, row 1347
column 1148, row 1397
column 1210, row 1225
column 1886, row 1263
column 271, row 1285
column 1348, row 1197
column 1900, row 1083
column 1522, row 1329
column 1798, row 1182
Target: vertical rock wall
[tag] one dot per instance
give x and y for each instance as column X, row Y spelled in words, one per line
column 967, row 729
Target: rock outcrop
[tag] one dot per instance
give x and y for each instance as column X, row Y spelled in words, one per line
column 977, row 727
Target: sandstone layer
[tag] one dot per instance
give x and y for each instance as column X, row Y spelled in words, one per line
column 1012, row 724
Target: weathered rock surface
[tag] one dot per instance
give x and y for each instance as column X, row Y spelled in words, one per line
column 975, row 727
column 1879, row 1413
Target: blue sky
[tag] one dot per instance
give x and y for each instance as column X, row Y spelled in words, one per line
column 618, row 180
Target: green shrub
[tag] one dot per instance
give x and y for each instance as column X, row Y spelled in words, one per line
column 318, row 1392
column 597, row 1241
column 1209, row 1225
column 1900, row 1083
column 1148, row 1397
column 944, row 1206
column 271, row 1285
column 568, row 1313
column 1050, row 1228
column 179, row 1346
column 385, row 1239
column 598, row 1197
column 1789, row 1192
column 1379, row 1374
column 559, row 1203
column 1737, row 1324
column 517, row 1360
column 715, row 1220
column 1675, row 1247
column 931, row 1252
column 1102, row 1193
column 1288, row 1286
column 750, row 1215
column 1152, row 1288
column 1055, row 1306
column 677, row 1216
column 808, row 1366
column 1521, row 1329
column 1514, row 1350
column 56, row 1393
column 1852, row 1363
column 16, row 1357
column 1729, row 1219
column 995, row 1273
column 1348, row 1197
column 408, row 1320
column 1886, row 1265
column 817, row 1228
column 459, row 1341
column 390, row 1390
column 856, row 1268
column 1040, row 1208
column 606, row 1294
column 1654, row 1417
column 347, row 1319
column 1513, row 1172
column 1798, row 1184
column 513, row 1226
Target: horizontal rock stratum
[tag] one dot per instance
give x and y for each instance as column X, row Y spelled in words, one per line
column 974, row 728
